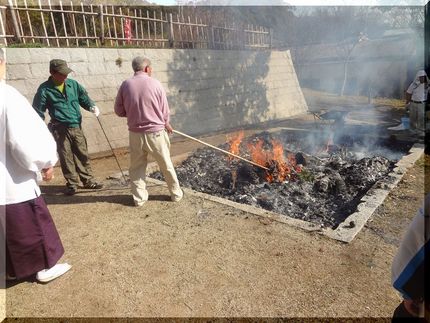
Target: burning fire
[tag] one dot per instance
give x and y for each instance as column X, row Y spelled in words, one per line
column 282, row 165
column 281, row 168
column 258, row 155
column 235, row 143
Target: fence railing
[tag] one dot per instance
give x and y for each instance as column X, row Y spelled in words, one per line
column 108, row 25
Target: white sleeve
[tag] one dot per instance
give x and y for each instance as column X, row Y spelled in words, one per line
column 29, row 140
column 411, row 88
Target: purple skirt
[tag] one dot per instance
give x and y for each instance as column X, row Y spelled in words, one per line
column 32, row 241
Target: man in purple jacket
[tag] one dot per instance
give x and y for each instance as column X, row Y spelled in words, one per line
column 143, row 101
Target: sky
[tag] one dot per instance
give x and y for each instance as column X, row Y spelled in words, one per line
column 308, row 2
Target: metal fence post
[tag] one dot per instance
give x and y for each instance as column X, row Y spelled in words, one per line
column 102, row 25
column 15, row 22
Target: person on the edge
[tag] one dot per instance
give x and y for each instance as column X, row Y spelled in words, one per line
column 32, row 244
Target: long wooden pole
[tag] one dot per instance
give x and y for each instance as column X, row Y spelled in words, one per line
column 219, row 149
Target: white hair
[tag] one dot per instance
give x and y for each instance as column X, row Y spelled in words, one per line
column 139, row 63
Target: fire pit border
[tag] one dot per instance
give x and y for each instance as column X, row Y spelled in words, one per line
column 344, row 232
column 374, row 197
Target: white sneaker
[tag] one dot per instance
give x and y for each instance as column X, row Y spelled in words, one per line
column 139, row 204
column 399, row 127
column 176, row 198
column 46, row 275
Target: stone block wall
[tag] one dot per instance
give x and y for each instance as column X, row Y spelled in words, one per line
column 208, row 90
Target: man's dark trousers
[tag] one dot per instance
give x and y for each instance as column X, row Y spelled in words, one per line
column 73, row 154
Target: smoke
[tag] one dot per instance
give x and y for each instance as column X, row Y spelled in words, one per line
column 360, row 133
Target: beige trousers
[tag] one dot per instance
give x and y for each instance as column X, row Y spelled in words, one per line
column 417, row 115
column 158, row 145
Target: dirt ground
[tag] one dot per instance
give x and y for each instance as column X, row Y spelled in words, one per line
column 204, row 259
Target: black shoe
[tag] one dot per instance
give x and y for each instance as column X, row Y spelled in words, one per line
column 93, row 186
column 71, row 190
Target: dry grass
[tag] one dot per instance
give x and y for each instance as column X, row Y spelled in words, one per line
column 424, row 164
column 317, row 98
column 424, row 161
column 393, row 103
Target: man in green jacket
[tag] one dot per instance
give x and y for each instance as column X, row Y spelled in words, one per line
column 63, row 98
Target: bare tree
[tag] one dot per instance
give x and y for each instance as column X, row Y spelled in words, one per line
column 349, row 48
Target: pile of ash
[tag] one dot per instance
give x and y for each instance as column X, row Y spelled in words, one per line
column 322, row 189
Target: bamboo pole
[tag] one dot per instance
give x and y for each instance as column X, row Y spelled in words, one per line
column 184, row 30
column 171, row 31
column 198, row 35
column 108, row 26
column 155, row 29
column 3, row 29
column 141, row 27
column 136, row 30
column 29, row 21
column 94, row 26
column 16, row 28
column 204, row 35
column 212, row 37
column 19, row 22
column 197, row 45
column 149, row 28
column 253, row 35
column 85, row 24
column 191, row 32
column 64, row 24
column 53, row 24
column 180, row 31
column 162, row 29
column 122, row 25
column 219, row 149
column 114, row 28
column 74, row 23
column 43, row 24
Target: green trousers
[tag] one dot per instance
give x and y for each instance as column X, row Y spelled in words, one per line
column 73, row 154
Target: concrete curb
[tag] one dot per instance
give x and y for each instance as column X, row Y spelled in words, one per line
column 374, row 197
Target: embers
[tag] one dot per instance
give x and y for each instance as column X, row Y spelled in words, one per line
column 323, row 190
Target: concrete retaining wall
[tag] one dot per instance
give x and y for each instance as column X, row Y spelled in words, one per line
column 207, row 90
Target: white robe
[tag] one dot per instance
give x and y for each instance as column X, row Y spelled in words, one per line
column 26, row 147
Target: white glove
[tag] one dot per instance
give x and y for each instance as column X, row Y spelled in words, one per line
column 95, row 110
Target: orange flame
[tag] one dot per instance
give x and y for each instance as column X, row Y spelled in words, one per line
column 235, row 144
column 258, row 155
column 282, row 168
column 282, row 165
